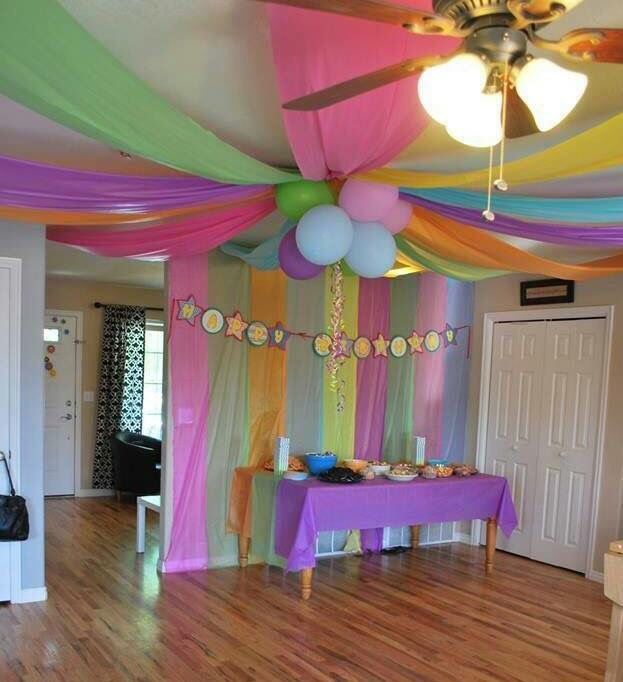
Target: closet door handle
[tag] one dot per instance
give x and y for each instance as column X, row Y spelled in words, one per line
column 563, row 454
column 515, row 448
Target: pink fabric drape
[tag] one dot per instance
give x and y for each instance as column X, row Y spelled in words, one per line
column 189, row 399
column 429, row 367
column 313, row 50
column 195, row 235
column 374, row 306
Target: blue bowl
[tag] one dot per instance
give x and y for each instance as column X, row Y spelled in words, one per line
column 437, row 462
column 318, row 464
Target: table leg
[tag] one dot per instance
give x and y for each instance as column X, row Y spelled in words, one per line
column 614, row 665
column 415, row 536
column 140, row 527
column 492, row 532
column 306, row 576
column 243, row 551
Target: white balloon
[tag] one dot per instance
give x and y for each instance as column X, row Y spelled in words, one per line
column 373, row 252
column 324, row 234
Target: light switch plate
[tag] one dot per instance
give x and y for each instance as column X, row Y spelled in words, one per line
column 88, row 397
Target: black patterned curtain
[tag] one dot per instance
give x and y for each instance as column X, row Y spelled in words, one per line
column 120, row 391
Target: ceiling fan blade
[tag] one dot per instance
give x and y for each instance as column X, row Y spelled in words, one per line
column 519, row 119
column 529, row 12
column 414, row 20
column 588, row 45
column 361, row 84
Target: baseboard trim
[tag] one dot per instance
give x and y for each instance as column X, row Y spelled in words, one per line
column 464, row 538
column 596, row 576
column 31, row 594
column 94, row 492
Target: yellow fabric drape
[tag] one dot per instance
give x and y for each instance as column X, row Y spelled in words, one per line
column 594, row 150
column 459, row 242
column 267, row 368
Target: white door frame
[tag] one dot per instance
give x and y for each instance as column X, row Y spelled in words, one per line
column 78, row 389
column 524, row 315
column 14, row 265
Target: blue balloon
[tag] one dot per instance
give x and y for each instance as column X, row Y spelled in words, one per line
column 373, row 252
column 324, row 234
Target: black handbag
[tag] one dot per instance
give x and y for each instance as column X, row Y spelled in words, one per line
column 13, row 513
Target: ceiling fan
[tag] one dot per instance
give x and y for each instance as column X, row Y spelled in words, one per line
column 491, row 77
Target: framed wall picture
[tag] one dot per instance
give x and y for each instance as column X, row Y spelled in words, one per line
column 547, row 291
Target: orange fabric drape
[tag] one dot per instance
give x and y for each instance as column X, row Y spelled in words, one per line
column 466, row 244
column 267, row 367
column 82, row 219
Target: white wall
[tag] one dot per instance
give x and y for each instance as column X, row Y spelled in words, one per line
column 502, row 294
column 27, row 242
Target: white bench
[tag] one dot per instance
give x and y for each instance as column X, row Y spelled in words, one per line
column 142, row 503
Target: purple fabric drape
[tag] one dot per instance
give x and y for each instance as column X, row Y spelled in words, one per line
column 28, row 184
column 585, row 235
column 374, row 305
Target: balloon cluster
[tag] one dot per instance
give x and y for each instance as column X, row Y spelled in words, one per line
column 359, row 229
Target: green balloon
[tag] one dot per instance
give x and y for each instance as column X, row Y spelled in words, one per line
column 294, row 199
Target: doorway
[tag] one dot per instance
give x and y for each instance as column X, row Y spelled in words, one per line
column 62, row 360
column 541, row 422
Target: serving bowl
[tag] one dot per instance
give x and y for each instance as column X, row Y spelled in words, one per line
column 402, row 478
column 318, row 463
column 296, row 475
column 380, row 469
column 357, row 465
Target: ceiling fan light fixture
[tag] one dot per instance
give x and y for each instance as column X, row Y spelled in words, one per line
column 443, row 88
column 550, row 91
column 478, row 121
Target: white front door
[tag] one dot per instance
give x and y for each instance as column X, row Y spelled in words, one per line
column 59, row 358
column 574, row 355
column 514, row 420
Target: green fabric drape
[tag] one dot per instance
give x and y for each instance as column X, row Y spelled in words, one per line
column 52, row 65
column 398, row 434
column 448, row 268
column 228, row 431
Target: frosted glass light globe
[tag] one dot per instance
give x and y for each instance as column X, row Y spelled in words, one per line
column 478, row 121
column 442, row 88
column 550, row 91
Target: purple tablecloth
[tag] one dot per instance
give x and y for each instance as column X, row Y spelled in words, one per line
column 304, row 508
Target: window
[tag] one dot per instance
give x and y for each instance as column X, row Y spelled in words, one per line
column 152, row 379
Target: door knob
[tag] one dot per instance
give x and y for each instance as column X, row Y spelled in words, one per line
column 515, row 448
column 67, row 417
column 562, row 454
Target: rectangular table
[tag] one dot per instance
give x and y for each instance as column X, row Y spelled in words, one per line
column 304, row 508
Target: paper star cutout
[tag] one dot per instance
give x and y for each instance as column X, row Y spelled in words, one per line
column 416, row 343
column 449, row 336
column 278, row 336
column 236, row 326
column 381, row 344
column 188, row 310
column 344, row 347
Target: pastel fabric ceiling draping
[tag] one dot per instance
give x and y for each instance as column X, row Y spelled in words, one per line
column 313, row 50
column 594, row 150
column 287, row 392
column 574, row 235
column 479, row 248
column 186, row 237
column 28, row 184
column 51, row 65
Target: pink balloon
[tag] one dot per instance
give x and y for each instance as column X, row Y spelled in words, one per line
column 398, row 218
column 367, row 201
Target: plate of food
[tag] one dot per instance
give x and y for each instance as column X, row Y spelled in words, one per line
column 402, row 473
column 380, row 468
column 340, row 475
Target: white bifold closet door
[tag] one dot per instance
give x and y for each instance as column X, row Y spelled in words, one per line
column 542, row 428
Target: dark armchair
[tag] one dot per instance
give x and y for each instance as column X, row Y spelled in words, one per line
column 136, row 463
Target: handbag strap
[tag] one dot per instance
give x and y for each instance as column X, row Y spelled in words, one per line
column 8, row 471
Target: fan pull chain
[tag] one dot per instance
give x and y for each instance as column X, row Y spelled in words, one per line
column 488, row 214
column 500, row 184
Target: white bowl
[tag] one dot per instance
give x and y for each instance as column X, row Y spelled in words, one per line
column 381, row 469
column 296, row 475
column 403, row 478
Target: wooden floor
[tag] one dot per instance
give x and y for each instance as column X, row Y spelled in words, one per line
column 424, row 615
